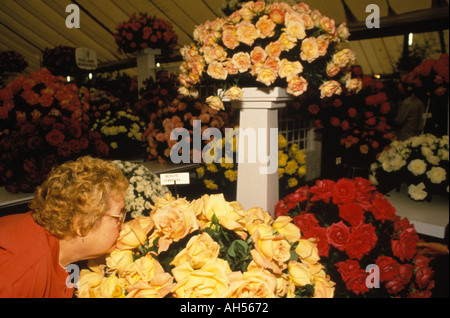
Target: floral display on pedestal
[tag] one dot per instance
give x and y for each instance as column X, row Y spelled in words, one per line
column 208, row 248
column 355, row 226
column 43, row 124
column 12, row 61
column 420, row 162
column 143, row 31
column 268, row 45
column 144, row 190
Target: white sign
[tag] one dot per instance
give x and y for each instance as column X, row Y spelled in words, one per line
column 172, row 178
column 86, row 58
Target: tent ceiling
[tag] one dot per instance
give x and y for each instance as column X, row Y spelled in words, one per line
column 30, row 26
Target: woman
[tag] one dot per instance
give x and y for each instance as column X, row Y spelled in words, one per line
column 76, row 214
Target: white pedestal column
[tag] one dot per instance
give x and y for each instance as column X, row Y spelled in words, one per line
column 146, row 65
column 258, row 114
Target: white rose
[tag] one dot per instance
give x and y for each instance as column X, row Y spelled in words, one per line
column 417, row 191
column 417, row 167
column 437, row 175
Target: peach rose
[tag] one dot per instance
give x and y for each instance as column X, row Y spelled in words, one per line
column 256, row 216
column 246, row 32
column 200, row 250
column 323, row 43
column 295, row 27
column 287, row 42
column 332, row 69
column 309, row 49
column 229, row 37
column 119, row 260
column 215, row 102
column 327, row 24
column 330, row 88
column 217, row 71
column 274, row 49
column 252, row 284
column 353, row 84
column 234, row 93
column 277, row 16
column 144, row 269
column 214, row 52
column 134, row 233
column 258, row 54
column 242, row 61
column 344, row 58
column 297, row 86
column 265, row 26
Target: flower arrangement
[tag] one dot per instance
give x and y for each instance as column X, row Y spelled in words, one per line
column 60, row 60
column 12, row 61
column 361, row 122
column 355, row 226
column 144, row 189
column 44, row 123
column 123, row 132
column 208, row 248
column 268, row 45
column 143, row 31
column 220, row 176
column 421, row 162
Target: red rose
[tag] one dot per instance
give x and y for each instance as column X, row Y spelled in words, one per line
column 75, row 146
column 321, row 240
column 393, row 287
column 281, row 208
column 421, row 261
column 388, row 268
column 64, row 149
column 382, row 209
column 347, row 268
column 334, row 121
column 102, row 148
column 306, row 222
column 361, row 241
column 357, row 282
column 344, row 191
column 314, row 109
column 416, row 293
column 405, row 272
column 338, row 234
column 345, row 125
column 424, row 277
column 55, row 137
column 29, row 165
column 33, row 177
column 352, row 213
column 34, row 142
column 322, row 190
column 406, row 246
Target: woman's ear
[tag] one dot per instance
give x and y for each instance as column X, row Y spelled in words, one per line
column 76, row 224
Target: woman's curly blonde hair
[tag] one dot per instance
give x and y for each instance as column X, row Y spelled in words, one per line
column 77, row 191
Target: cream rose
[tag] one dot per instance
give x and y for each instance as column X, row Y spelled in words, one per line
column 417, row 192
column 330, row 88
column 323, row 287
column 437, row 175
column 417, row 167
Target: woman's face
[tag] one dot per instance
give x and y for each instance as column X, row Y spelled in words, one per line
column 102, row 238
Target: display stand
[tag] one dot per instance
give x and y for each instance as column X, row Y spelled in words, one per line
column 259, row 112
column 146, row 65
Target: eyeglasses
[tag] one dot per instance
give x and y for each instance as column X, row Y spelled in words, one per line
column 121, row 217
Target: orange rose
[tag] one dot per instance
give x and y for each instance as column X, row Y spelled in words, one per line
column 258, row 54
column 297, row 86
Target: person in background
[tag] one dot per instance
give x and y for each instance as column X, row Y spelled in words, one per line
column 76, row 214
column 409, row 119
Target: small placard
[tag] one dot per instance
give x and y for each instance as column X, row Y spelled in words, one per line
column 172, row 178
column 86, row 58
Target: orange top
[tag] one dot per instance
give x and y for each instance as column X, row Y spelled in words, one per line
column 29, row 260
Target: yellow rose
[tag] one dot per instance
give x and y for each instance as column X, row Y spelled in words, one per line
column 287, row 42
column 134, row 233
column 300, row 273
column 200, row 250
column 257, row 215
column 228, row 217
column 158, row 287
column 211, row 281
column 323, row 287
column 266, row 75
column 252, row 284
column 215, row 102
column 344, row 58
column 173, row 222
column 309, row 50
column 282, row 142
column 234, row 93
column 292, row 182
column 88, row 283
column 295, row 26
column 290, row 70
column 330, row 88
column 284, row 226
column 119, row 260
column 307, row 251
column 112, row 287
column 143, row 269
column 301, row 171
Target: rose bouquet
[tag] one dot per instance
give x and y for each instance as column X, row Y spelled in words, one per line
column 421, row 162
column 268, row 45
column 360, row 122
column 208, row 248
column 43, row 123
column 60, row 60
column 143, row 191
column 12, row 61
column 223, row 175
column 142, row 31
column 356, row 228
column 123, row 132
